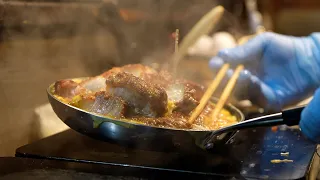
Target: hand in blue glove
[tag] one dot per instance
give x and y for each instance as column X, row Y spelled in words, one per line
column 280, row 71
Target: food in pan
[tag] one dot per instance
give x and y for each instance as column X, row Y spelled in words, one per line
column 140, row 94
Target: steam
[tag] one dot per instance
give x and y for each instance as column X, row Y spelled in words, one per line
column 43, row 42
column 113, row 40
column 229, row 23
column 85, row 39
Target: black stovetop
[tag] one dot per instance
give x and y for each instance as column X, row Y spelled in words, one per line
column 16, row 168
column 248, row 155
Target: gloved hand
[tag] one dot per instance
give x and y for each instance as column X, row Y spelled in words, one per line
column 280, row 71
column 310, row 118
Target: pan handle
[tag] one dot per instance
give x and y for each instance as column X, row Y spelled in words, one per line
column 292, row 116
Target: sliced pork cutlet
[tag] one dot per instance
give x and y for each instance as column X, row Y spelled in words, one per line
column 135, row 69
column 70, row 88
column 144, row 72
column 185, row 95
column 67, row 88
column 143, row 98
column 94, row 84
column 103, row 104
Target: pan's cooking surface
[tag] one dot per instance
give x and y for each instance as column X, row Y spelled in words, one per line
column 248, row 154
column 228, row 108
column 132, row 134
column 146, row 105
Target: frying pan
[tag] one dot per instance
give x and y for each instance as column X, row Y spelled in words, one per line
column 138, row 135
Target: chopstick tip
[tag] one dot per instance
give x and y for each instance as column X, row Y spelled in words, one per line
column 219, row 8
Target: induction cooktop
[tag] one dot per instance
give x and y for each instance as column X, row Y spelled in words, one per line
column 251, row 153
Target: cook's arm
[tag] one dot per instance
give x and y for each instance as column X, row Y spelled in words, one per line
column 280, row 71
column 310, row 119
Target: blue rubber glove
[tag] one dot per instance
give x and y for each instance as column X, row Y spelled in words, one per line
column 280, row 71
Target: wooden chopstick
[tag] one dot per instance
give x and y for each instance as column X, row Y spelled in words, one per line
column 208, row 94
column 202, row 27
column 226, row 92
column 176, row 41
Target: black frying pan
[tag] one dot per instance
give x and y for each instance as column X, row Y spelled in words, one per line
column 137, row 135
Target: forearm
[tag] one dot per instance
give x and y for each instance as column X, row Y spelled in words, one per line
column 307, row 54
column 315, row 51
column 310, row 118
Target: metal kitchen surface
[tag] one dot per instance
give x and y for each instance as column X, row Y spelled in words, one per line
column 261, row 153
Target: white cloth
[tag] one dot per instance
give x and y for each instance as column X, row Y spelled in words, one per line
column 49, row 123
column 208, row 46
